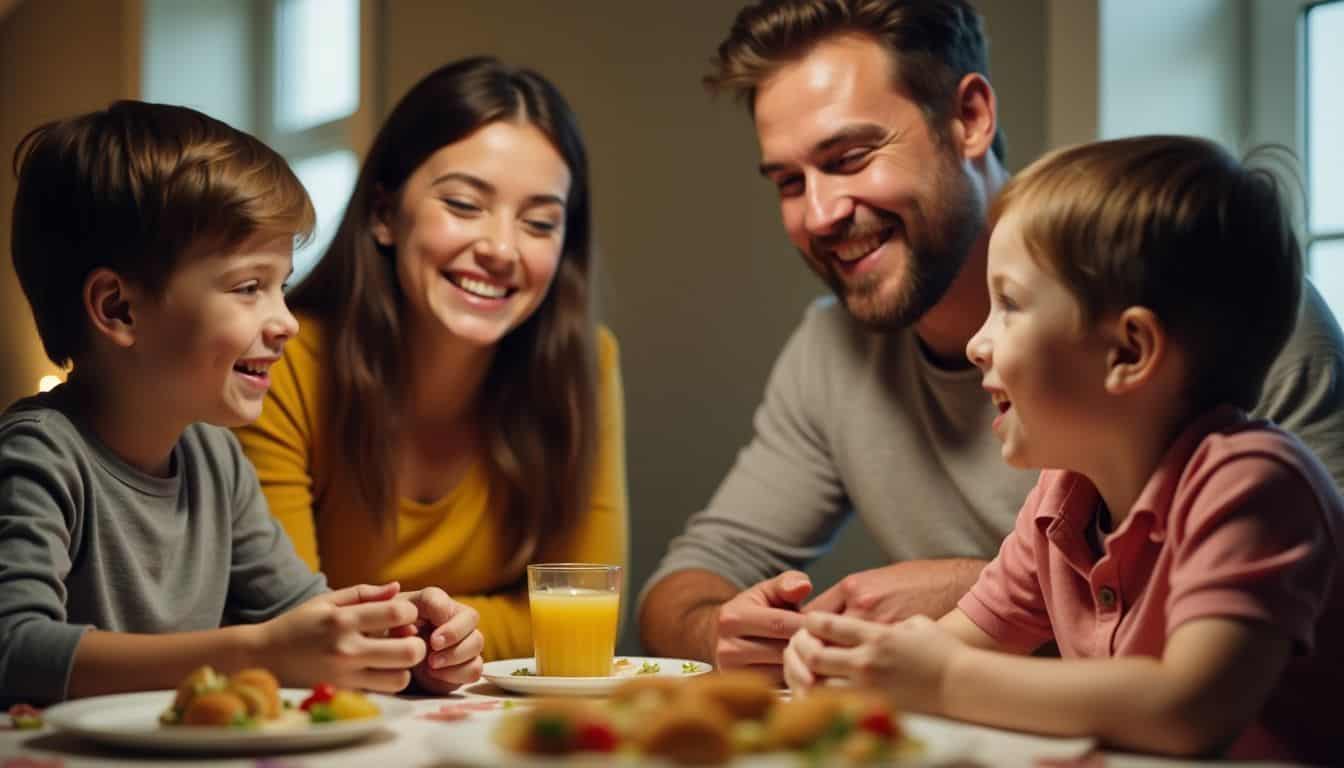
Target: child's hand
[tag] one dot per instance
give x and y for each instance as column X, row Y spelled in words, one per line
column 907, row 660
column 342, row 637
column 449, row 630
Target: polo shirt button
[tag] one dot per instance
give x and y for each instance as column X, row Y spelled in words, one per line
column 1106, row 596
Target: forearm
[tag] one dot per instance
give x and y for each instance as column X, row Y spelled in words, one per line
column 935, row 586
column 679, row 615
column 114, row 662
column 1131, row 702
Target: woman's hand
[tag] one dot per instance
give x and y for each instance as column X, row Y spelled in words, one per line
column 346, row 637
column 449, row 630
column 907, row 660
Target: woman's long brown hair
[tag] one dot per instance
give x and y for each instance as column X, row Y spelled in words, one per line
column 538, row 401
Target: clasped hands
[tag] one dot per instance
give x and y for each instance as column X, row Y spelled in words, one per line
column 375, row 638
column 856, row 631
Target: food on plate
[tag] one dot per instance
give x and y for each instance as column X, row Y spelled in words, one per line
column 251, row 698
column 25, row 717
column 711, row 719
column 687, row 736
column 559, row 727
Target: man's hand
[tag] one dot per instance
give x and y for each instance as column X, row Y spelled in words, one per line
column 450, row 632
column 899, row 591
column 754, row 627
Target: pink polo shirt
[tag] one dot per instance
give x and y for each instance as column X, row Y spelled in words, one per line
column 1240, row 521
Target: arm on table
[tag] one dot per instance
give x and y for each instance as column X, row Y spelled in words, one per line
column 326, row 639
column 900, row 590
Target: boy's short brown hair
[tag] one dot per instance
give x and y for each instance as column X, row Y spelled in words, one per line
column 1175, row 224
column 933, row 44
column 136, row 188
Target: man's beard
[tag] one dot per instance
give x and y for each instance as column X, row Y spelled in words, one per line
column 937, row 250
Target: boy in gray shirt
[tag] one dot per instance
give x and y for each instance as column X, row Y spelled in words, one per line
column 153, row 244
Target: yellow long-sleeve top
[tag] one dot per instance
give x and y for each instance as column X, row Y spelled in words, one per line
column 458, row 542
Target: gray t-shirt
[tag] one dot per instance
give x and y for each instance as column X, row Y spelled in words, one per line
column 86, row 540
column 859, row 422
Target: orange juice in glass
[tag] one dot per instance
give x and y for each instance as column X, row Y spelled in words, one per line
column 575, row 609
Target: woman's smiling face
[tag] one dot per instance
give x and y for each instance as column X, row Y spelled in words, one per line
column 478, row 230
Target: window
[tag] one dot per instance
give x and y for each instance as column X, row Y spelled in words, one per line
column 285, row 70
column 1324, row 158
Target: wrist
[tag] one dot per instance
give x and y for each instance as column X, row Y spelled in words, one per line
column 702, row 625
column 247, row 645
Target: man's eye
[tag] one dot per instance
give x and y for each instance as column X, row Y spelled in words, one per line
column 789, row 186
column 849, row 161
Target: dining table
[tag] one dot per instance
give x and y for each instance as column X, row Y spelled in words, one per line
column 450, row 730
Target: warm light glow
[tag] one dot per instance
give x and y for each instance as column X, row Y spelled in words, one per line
column 46, row 383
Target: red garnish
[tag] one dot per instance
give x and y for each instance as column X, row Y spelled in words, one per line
column 878, row 722
column 322, row 693
column 595, row 737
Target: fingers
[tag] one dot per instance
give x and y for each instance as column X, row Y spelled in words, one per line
column 363, row 593
column 819, row 659
column 374, row 617
column 840, row 630
column 459, row 653
column 830, row 601
column 457, row 628
column 434, row 605
column 787, row 590
column 378, row 680
column 739, row 619
column 736, row 652
column 796, row 674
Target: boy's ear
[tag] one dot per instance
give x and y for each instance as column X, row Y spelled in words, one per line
column 1138, row 350
column 974, row 117
column 108, row 300
column 380, row 222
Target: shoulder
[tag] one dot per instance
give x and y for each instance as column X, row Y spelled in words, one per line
column 608, row 350
column 37, row 429
column 304, row 353
column 212, row 446
column 1258, row 459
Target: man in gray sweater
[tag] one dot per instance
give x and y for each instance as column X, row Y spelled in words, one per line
column 877, row 124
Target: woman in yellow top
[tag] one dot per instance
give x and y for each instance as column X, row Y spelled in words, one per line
column 448, row 411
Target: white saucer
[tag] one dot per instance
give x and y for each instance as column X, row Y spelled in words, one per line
column 132, row 720
column 506, row 674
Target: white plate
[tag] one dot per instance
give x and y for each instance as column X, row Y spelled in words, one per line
column 504, row 674
column 132, row 720
column 471, row 743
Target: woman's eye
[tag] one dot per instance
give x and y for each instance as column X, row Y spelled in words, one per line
column 461, row 205
column 540, row 226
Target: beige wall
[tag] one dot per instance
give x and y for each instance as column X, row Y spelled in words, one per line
column 698, row 281
column 57, row 57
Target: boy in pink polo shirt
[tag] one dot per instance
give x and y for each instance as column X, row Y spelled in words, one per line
column 1181, row 555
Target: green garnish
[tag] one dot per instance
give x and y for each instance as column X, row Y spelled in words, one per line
column 321, row 713
column 521, row 672
column 648, row 668
column 508, row 704
column 689, row 667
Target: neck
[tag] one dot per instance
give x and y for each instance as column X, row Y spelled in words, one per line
column 949, row 325
column 1132, row 448
column 444, row 379
column 115, row 409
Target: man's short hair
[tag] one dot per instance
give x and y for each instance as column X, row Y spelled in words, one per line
column 933, row 45
column 1175, row 224
column 135, row 188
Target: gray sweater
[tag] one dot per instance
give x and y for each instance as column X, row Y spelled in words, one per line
column 87, row 541
column 858, row 422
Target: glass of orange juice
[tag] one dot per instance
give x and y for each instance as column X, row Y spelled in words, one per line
column 575, row 607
